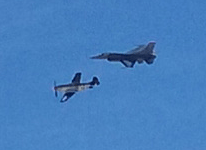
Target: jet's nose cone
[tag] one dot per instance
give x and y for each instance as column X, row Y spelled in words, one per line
column 102, row 56
column 94, row 57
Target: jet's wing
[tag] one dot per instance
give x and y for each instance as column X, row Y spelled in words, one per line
column 67, row 96
column 127, row 63
column 136, row 50
column 77, row 78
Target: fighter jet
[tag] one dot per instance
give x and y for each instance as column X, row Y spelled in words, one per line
column 140, row 54
column 70, row 89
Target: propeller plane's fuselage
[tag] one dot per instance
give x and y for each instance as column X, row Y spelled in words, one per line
column 73, row 87
column 70, row 89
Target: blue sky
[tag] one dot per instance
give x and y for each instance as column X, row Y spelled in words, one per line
column 159, row 106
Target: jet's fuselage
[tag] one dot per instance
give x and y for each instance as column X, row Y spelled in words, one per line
column 129, row 57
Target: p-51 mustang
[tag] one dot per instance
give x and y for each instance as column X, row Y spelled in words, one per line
column 140, row 54
column 70, row 89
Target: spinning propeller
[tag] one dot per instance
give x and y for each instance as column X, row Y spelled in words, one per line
column 55, row 89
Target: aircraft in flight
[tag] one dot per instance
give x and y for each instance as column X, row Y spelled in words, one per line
column 75, row 86
column 140, row 54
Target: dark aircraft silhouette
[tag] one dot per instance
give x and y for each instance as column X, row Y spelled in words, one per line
column 70, row 89
column 140, row 54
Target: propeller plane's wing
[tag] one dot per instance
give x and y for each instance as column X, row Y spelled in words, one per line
column 77, row 78
column 67, row 96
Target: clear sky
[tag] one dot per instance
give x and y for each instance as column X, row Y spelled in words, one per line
column 160, row 106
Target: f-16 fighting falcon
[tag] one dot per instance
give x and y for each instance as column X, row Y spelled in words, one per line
column 140, row 54
column 70, row 89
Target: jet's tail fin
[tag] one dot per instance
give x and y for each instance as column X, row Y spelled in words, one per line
column 150, row 47
column 95, row 81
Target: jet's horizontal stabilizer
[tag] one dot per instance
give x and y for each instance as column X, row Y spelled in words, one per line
column 149, row 61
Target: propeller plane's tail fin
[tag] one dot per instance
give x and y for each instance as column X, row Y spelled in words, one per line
column 95, row 81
